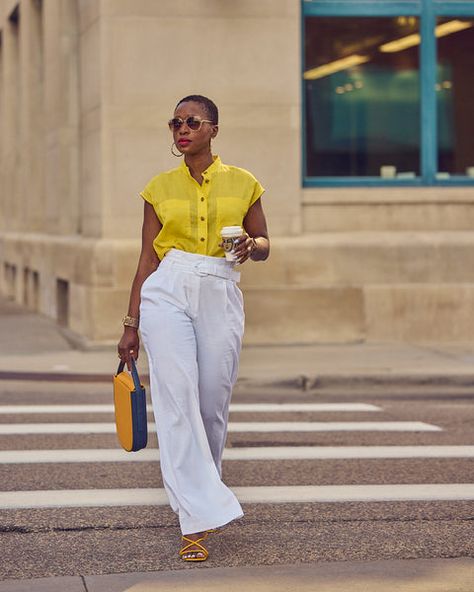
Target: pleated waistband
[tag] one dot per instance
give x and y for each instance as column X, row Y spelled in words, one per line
column 202, row 264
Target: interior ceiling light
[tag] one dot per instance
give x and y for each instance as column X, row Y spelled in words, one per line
column 415, row 39
column 451, row 27
column 336, row 66
column 401, row 44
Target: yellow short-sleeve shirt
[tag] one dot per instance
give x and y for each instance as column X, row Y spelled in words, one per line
column 192, row 215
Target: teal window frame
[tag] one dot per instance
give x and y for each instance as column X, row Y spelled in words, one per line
column 427, row 11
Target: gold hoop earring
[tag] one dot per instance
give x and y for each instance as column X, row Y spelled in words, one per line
column 173, row 145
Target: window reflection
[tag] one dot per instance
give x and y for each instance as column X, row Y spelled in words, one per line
column 362, row 96
column 455, row 97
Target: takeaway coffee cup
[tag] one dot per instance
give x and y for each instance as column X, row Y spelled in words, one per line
column 229, row 235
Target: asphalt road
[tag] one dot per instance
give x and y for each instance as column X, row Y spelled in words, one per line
column 43, row 542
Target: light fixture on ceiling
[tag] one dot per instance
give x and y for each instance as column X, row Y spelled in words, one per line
column 401, row 44
column 415, row 39
column 336, row 66
column 451, row 27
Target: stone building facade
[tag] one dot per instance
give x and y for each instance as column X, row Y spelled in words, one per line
column 86, row 89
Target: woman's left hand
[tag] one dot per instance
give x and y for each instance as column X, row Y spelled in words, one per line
column 244, row 247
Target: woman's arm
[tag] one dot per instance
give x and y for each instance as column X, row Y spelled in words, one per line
column 255, row 243
column 148, row 260
column 147, row 263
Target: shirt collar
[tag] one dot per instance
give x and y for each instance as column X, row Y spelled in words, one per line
column 211, row 169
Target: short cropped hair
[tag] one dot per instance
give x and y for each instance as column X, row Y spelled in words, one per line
column 209, row 106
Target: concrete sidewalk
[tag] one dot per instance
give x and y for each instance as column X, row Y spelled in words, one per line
column 33, row 346
column 411, row 575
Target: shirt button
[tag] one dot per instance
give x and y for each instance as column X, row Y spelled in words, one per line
column 206, row 181
column 202, row 218
column 202, row 239
column 202, row 199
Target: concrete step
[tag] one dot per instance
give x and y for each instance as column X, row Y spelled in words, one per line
column 344, row 209
column 325, row 287
column 351, row 259
column 303, row 315
column 413, row 313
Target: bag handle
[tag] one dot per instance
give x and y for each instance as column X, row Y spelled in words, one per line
column 134, row 373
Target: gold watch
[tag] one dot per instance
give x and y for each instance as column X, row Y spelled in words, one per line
column 129, row 321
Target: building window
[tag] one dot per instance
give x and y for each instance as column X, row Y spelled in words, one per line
column 388, row 92
column 362, row 97
column 10, row 278
column 455, row 98
column 62, row 302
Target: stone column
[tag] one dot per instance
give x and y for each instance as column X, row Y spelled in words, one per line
column 10, row 132
column 31, row 137
column 92, row 75
column 61, row 114
column 2, row 141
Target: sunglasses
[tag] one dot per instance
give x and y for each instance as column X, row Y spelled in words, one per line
column 194, row 123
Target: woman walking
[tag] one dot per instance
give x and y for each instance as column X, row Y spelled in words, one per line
column 186, row 301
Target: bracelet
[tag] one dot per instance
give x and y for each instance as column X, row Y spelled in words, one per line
column 129, row 321
column 255, row 246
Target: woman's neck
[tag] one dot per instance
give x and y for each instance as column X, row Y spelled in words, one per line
column 198, row 163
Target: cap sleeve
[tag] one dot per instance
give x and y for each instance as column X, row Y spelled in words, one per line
column 258, row 191
column 149, row 191
column 146, row 196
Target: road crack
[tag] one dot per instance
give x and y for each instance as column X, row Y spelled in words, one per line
column 393, row 519
column 29, row 530
column 16, row 529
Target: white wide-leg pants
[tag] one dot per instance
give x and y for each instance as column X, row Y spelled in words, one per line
column 191, row 322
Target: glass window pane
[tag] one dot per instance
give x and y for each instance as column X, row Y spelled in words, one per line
column 455, row 96
column 362, row 96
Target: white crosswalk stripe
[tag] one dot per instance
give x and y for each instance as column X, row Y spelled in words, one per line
column 254, row 426
column 83, row 455
column 234, row 407
column 258, row 495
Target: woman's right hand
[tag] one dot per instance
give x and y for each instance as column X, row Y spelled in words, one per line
column 129, row 345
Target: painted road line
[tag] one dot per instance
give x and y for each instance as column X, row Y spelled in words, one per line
column 277, row 426
column 81, row 455
column 334, row 426
column 346, row 452
column 279, row 407
column 356, row 493
column 14, row 500
column 235, row 407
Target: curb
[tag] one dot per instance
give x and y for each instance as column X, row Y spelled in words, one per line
column 420, row 574
column 322, row 382
column 56, row 376
column 386, row 380
column 300, row 382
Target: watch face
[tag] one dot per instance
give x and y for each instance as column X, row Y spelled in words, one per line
column 130, row 322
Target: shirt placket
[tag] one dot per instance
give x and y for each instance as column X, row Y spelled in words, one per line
column 202, row 214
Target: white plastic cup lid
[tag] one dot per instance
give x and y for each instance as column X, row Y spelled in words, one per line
column 229, row 231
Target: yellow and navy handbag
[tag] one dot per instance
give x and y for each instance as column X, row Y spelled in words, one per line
column 130, row 409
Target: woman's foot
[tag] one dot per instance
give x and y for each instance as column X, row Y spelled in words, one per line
column 193, row 548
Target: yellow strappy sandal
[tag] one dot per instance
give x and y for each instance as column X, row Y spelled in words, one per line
column 201, row 549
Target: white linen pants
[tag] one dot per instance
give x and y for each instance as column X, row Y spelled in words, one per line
column 191, row 322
